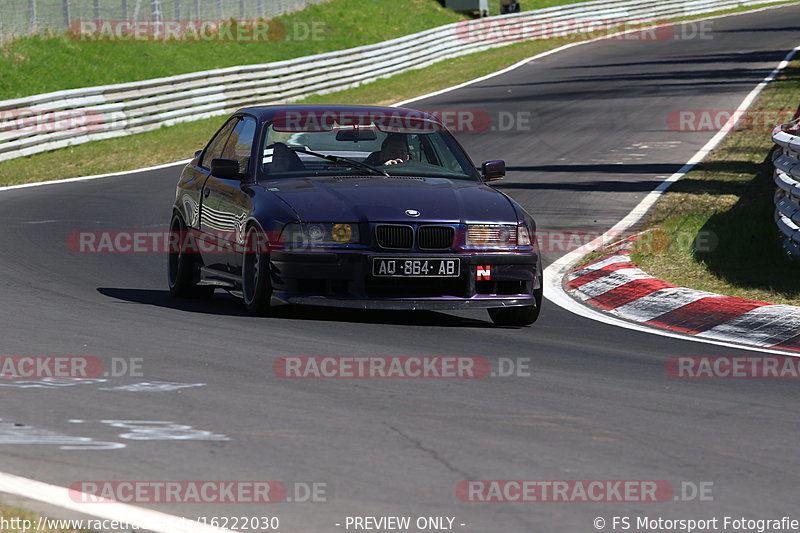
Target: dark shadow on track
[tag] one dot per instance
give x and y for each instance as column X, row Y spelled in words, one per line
column 759, row 56
column 590, row 186
column 223, row 304
column 220, row 304
column 623, row 168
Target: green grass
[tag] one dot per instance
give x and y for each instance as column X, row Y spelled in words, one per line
column 714, row 229
column 181, row 141
column 39, row 64
column 11, row 513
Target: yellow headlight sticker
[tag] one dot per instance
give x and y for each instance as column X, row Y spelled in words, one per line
column 342, row 232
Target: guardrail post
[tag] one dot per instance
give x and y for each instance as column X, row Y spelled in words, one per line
column 157, row 15
column 96, row 9
column 65, row 9
column 124, row 9
column 32, row 15
column 177, row 9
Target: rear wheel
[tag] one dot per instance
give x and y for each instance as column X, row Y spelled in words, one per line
column 256, row 285
column 181, row 264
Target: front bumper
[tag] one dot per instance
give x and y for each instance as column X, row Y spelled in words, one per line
column 344, row 279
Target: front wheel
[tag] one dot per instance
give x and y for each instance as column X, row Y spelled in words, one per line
column 256, row 285
column 181, row 264
column 518, row 316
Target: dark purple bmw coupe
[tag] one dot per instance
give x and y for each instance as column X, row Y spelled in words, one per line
column 351, row 206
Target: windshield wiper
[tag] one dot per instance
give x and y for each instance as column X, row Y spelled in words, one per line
column 338, row 159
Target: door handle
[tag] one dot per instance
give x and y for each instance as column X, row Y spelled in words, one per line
column 206, row 192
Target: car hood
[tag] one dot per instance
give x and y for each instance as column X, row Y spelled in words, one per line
column 378, row 199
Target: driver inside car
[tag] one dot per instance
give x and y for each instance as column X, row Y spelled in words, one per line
column 394, row 150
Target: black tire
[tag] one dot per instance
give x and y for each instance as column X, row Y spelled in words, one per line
column 181, row 265
column 519, row 316
column 256, row 285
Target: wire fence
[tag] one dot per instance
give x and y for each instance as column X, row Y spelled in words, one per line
column 29, row 17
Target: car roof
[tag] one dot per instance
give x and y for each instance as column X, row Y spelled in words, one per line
column 266, row 113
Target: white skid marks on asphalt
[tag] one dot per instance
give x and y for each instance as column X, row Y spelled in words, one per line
column 12, row 433
column 47, row 383
column 139, row 430
column 153, row 386
column 766, row 326
column 61, row 497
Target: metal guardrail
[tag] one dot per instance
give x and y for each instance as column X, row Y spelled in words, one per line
column 29, row 17
column 55, row 120
column 787, row 179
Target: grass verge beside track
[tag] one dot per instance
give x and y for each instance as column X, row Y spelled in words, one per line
column 9, row 514
column 180, row 141
column 39, row 64
column 713, row 229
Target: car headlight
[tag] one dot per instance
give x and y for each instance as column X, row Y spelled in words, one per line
column 497, row 236
column 319, row 234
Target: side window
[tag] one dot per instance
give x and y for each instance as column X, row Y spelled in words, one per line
column 444, row 154
column 217, row 144
column 240, row 144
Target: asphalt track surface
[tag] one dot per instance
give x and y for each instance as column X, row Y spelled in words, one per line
column 597, row 405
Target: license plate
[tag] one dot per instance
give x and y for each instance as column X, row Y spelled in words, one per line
column 416, row 268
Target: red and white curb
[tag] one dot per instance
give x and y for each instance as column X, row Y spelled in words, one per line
column 616, row 286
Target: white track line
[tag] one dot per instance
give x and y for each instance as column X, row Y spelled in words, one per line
column 90, row 178
column 143, row 518
column 56, row 495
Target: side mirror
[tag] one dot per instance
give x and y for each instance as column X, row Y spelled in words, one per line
column 197, row 153
column 226, row 169
column 493, row 170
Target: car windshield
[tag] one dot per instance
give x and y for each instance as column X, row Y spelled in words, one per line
column 360, row 144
